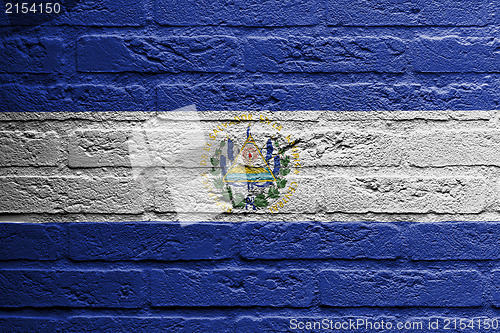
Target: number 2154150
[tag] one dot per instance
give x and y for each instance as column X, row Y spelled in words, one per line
column 32, row 8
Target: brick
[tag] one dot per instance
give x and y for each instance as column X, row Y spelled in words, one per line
column 97, row 117
column 345, row 97
column 431, row 116
column 404, row 195
column 70, row 194
column 98, row 148
column 184, row 191
column 232, row 287
column 175, row 54
column 496, row 288
column 415, row 13
column 32, row 241
column 356, row 288
column 160, row 145
column 105, row 195
column 496, row 13
column 378, row 96
column 32, row 194
column 249, row 13
column 453, row 54
column 147, row 324
column 84, row 13
column 325, row 55
column 447, row 148
column 341, row 147
column 79, row 97
column 31, row 55
column 68, row 288
column 306, row 240
column 235, row 96
column 453, row 241
column 105, row 13
column 30, row 148
column 170, row 144
column 145, row 241
column 30, row 324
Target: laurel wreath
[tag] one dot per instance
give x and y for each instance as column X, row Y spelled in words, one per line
column 237, row 200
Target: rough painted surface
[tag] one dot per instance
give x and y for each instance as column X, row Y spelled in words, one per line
column 301, row 240
column 149, row 55
column 316, row 96
column 123, row 324
column 324, row 55
column 30, row 148
column 252, row 55
column 248, row 13
column 232, row 287
column 364, row 166
column 260, row 282
column 31, row 55
column 66, row 97
column 151, row 241
column 456, row 55
column 376, row 230
column 414, row 13
column 327, row 253
column 71, row 288
column 52, row 194
column 401, row 288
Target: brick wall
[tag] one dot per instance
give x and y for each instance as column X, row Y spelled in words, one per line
column 393, row 218
column 419, row 166
column 244, row 277
column 273, row 55
column 335, row 251
column 92, row 272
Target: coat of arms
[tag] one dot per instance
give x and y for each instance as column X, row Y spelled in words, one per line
column 250, row 177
